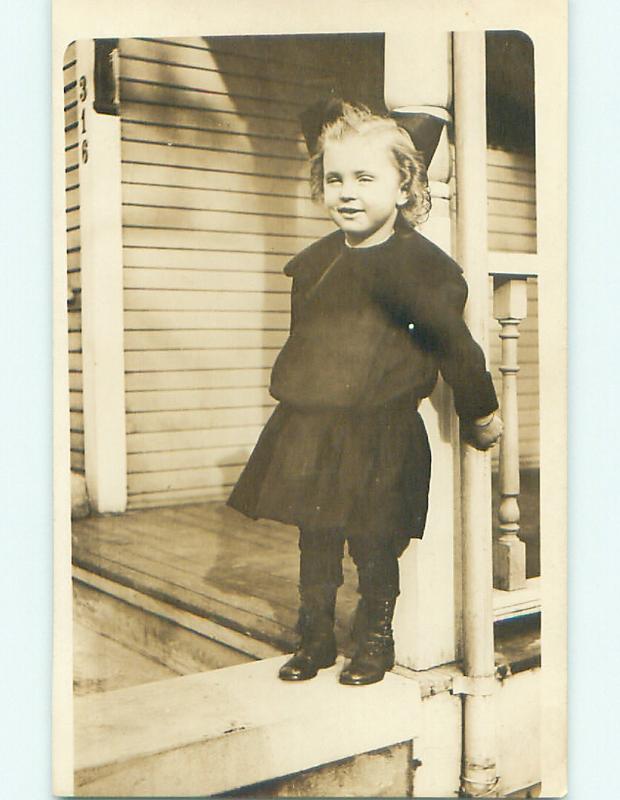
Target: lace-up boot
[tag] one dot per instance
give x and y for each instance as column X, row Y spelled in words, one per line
column 317, row 648
column 374, row 654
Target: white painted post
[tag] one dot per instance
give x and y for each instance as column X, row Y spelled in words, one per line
column 479, row 773
column 510, row 308
column 425, row 619
column 102, row 295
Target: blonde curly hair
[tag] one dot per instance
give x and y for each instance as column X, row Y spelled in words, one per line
column 359, row 120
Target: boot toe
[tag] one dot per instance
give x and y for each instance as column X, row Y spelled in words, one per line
column 303, row 666
column 298, row 668
column 358, row 676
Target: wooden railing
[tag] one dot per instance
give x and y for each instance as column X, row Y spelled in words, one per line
column 514, row 593
column 510, row 309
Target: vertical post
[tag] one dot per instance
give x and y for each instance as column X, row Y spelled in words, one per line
column 102, row 294
column 510, row 308
column 479, row 772
column 425, row 619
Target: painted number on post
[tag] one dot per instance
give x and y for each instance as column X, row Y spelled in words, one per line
column 82, row 97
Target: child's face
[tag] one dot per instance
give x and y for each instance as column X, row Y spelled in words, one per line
column 362, row 188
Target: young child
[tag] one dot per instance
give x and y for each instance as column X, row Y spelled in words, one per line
column 376, row 310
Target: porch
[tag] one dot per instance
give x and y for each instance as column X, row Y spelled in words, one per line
column 169, row 592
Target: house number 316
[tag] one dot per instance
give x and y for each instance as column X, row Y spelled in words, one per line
column 82, row 96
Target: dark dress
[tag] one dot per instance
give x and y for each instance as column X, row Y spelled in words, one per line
column 346, row 447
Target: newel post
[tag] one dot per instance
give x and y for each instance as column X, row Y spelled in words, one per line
column 510, row 309
column 418, row 93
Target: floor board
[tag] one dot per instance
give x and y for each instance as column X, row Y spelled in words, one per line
column 210, row 560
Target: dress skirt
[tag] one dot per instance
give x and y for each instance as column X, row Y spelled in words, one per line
column 362, row 470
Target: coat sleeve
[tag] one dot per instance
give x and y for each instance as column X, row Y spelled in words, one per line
column 433, row 298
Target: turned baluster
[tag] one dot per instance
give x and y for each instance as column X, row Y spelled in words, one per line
column 510, row 309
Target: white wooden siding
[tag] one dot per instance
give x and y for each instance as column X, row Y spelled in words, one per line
column 215, row 201
column 511, row 201
column 72, row 202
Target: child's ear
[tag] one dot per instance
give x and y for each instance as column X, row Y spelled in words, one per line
column 403, row 196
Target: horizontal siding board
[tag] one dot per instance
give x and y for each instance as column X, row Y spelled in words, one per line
column 203, row 176
column 241, row 163
column 77, row 440
column 512, row 193
column 196, row 379
column 178, row 497
column 77, row 461
column 222, row 200
column 176, row 441
column 71, row 160
column 210, row 80
column 145, row 341
column 509, row 175
column 511, row 208
column 76, row 402
column 75, row 342
column 166, row 360
column 214, row 240
column 139, row 98
column 73, row 218
column 75, row 381
column 506, row 158
column 76, row 421
column 196, row 219
column 207, row 280
column 203, row 320
column 132, row 89
column 73, row 239
column 511, row 225
column 71, row 117
column 188, row 459
column 178, row 258
column 511, row 243
column 75, row 320
column 136, row 299
column 193, row 52
column 197, row 420
column 186, row 399
column 186, row 130
column 184, row 479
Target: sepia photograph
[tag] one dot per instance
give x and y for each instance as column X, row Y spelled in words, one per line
column 310, row 401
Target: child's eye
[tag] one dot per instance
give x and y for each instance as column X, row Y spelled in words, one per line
column 332, row 180
column 365, row 179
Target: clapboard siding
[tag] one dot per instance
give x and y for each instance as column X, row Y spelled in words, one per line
column 74, row 277
column 197, row 379
column 215, row 201
column 527, row 379
column 511, row 194
column 201, row 320
column 140, row 445
column 175, row 258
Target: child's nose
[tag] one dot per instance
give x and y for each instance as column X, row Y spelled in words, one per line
column 347, row 190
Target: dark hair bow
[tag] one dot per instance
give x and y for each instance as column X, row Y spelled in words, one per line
column 424, row 129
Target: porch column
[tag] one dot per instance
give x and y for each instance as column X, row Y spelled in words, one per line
column 417, row 92
column 102, row 294
column 479, row 772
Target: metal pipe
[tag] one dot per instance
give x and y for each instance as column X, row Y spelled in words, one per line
column 479, row 772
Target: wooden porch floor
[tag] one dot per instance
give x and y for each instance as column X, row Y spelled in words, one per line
column 212, row 562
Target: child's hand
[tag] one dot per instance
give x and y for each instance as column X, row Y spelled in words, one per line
column 484, row 432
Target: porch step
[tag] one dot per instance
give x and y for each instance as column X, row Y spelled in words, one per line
column 181, row 641
column 214, row 732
